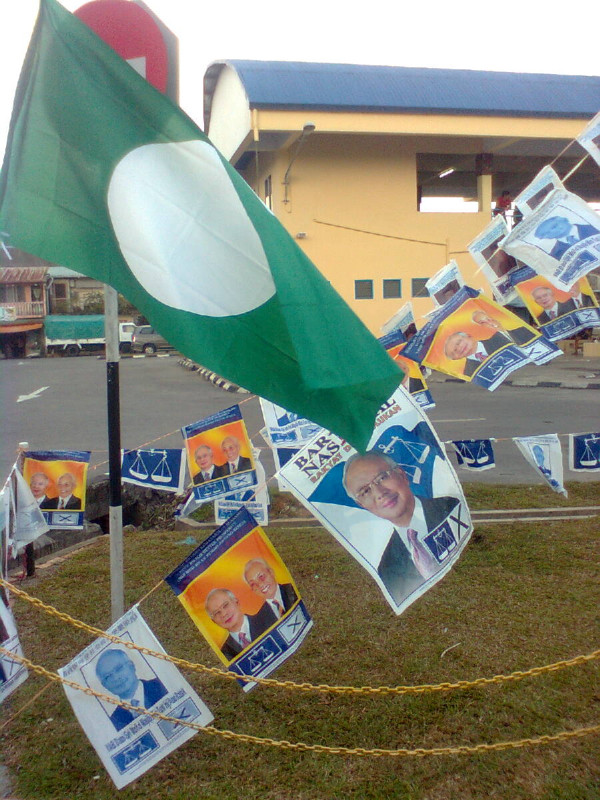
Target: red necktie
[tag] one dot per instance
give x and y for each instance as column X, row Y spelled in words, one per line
column 244, row 640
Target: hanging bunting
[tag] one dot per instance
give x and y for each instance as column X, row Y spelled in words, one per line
column 242, row 598
column 589, row 138
column 560, row 239
column 129, row 743
column 445, row 283
column 219, row 455
column 560, row 314
column 155, row 469
column 255, row 501
column 545, row 456
column 398, row 509
column 58, row 481
column 495, row 263
column 284, row 428
column 413, row 381
column 474, row 454
column 584, row 452
column 474, row 339
column 538, row 190
column 403, row 320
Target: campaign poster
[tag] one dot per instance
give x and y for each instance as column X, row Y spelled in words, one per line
column 495, row 263
column 285, row 428
column 560, row 239
column 589, row 138
column 413, row 380
column 560, row 314
column 474, row 454
column 58, row 482
column 24, row 521
column 242, row 598
column 403, row 320
column 398, row 508
column 163, row 470
column 544, row 453
column 475, row 339
column 445, row 283
column 255, row 500
column 584, row 452
column 538, row 190
column 127, row 741
column 12, row 673
column 219, row 455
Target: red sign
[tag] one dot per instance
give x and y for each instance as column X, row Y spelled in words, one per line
column 132, row 33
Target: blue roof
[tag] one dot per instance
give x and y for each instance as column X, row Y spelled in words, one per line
column 340, row 87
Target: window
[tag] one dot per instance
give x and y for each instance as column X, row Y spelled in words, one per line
column 417, row 287
column 13, row 293
column 60, row 291
column 269, row 193
column 363, row 290
column 392, row 287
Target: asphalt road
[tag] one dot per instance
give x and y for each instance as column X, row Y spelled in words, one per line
column 158, row 397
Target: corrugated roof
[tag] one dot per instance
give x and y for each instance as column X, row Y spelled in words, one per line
column 301, row 85
column 22, row 274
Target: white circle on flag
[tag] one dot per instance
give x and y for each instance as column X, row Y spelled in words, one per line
column 184, row 232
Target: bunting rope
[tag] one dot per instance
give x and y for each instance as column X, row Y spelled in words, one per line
column 284, row 744
column 304, row 687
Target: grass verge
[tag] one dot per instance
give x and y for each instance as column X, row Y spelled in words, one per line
column 522, row 595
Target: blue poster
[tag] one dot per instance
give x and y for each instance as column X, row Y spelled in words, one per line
column 584, row 452
column 474, row 454
column 154, row 469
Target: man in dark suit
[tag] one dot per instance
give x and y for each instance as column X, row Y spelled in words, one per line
column 260, row 577
column 38, row 484
column 565, row 232
column 204, row 458
column 580, row 299
column 545, row 297
column 235, row 462
column 519, row 336
column 461, row 345
column 66, row 499
column 116, row 672
column 223, row 607
column 381, row 486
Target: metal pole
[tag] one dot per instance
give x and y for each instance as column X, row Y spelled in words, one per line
column 111, row 332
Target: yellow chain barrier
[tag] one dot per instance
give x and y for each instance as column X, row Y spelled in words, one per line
column 303, row 746
column 304, row 687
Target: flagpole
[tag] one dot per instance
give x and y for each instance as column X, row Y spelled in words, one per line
column 111, row 332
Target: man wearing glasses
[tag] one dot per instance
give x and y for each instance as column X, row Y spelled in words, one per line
column 223, row 607
column 379, row 485
column 260, row 577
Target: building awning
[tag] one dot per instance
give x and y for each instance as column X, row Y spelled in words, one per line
column 20, row 328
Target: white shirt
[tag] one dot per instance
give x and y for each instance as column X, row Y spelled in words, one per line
column 62, row 501
column 279, row 599
column 244, row 629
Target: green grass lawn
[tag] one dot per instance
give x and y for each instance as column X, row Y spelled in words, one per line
column 522, row 595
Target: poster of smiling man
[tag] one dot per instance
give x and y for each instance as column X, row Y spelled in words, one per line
column 127, row 741
column 242, row 598
column 495, row 263
column 560, row 239
column 58, row 481
column 398, row 508
column 219, row 455
column 413, row 380
column 477, row 340
column 559, row 313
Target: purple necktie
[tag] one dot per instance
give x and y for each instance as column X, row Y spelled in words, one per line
column 244, row 640
column 423, row 560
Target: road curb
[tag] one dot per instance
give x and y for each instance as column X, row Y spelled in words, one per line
column 208, row 375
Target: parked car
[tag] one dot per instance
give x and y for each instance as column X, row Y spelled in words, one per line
column 146, row 340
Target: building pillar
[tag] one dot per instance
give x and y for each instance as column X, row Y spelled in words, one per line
column 483, row 170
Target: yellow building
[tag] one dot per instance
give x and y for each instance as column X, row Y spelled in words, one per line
column 356, row 160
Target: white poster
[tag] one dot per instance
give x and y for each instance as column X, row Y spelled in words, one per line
column 12, row 673
column 129, row 742
column 545, row 456
column 398, row 508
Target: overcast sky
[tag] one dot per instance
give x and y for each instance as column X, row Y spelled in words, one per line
column 525, row 36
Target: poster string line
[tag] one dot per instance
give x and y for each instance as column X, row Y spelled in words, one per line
column 305, row 687
column 375, row 752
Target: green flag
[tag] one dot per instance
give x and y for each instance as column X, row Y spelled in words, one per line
column 105, row 175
